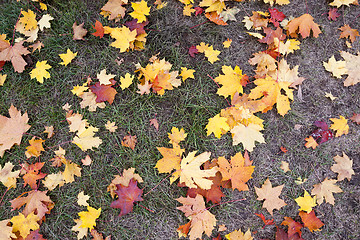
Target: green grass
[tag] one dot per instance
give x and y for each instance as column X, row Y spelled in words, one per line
column 189, row 106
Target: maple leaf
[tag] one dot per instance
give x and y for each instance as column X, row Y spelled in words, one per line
column 352, row 65
column 239, row 235
column 39, row 72
column 126, row 81
column 192, row 51
column 33, row 173
column 325, row 191
column 201, row 219
column 36, row 202
column 82, row 232
column 333, row 14
column 35, row 235
column 238, row 171
column 216, row 6
column 337, row 68
column 355, row 118
column 104, row 92
column 88, row 218
column 23, row 224
column 53, row 180
column 115, row 8
column 99, row 29
column 210, row 53
column 227, row 43
column 266, row 221
column 28, row 20
column 155, row 123
column 217, row 125
column 44, row 22
column 141, row 10
column 176, row 136
column 35, row 148
column 2, row 79
column 311, row 221
column 111, row 126
column 13, row 54
column 127, row 196
column 89, row 100
column 340, row 126
column 321, row 134
column 144, row 88
column 85, row 139
column 5, row 230
column 67, row 57
column 123, row 37
column 191, row 174
column 7, row 177
column 276, row 16
column 79, row 31
column 311, row 143
column 347, row 31
column 229, row 14
column 186, row 73
column 303, row 25
column 285, row 166
column 134, row 25
column 339, row 3
column 214, row 194
column 123, row 180
column 99, row 236
column 247, row 135
column 171, row 160
column 343, row 167
column 285, row 74
column 232, row 81
column 188, row 10
column 71, row 170
column 129, row 141
column 105, row 79
column 12, row 129
column 294, row 227
column 86, row 161
column 271, row 196
column 280, row 2
column 265, row 63
column 49, row 130
column 306, row 203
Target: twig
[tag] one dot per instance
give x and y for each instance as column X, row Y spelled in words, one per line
column 199, row 24
column 218, row 87
column 157, row 185
column 237, row 200
column 146, row 208
column 3, row 196
column 15, row 27
column 59, row 144
column 34, row 6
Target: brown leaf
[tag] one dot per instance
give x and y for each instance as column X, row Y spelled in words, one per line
column 129, row 141
column 115, row 8
column 356, row 118
column 333, row 14
column 79, row 31
column 271, row 196
column 303, row 25
column 104, row 92
column 155, row 123
column 347, row 31
column 14, row 54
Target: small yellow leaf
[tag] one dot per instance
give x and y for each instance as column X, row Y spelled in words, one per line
column 340, row 126
column 126, row 81
column 39, row 72
column 306, row 203
column 217, row 125
column 337, row 68
column 82, row 199
column 67, row 57
column 239, row 235
column 329, row 95
column 285, row 166
column 2, row 79
column 227, row 43
column 44, row 22
column 140, row 11
column 186, row 73
column 53, row 180
column 105, row 78
column 188, row 10
column 111, row 126
column 88, row 218
column 71, row 170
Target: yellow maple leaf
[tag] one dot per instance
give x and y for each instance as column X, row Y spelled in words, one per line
column 239, row 235
column 82, row 199
column 140, row 11
column 171, row 160
column 88, row 218
column 211, row 54
column 85, row 138
column 352, row 65
column 231, row 81
column 339, row 3
column 285, row 74
column 43, row 6
column 337, row 68
column 35, row 148
column 79, row 90
column 123, row 37
column 82, row 232
column 89, row 100
column 2, row 79
column 306, row 203
column 190, row 173
column 325, row 191
column 217, row 125
column 67, row 57
column 270, row 92
column 53, row 180
column 247, row 135
column 176, row 135
column 311, row 143
column 188, row 10
column 288, row 47
column 7, row 177
column 280, row 2
column 126, row 81
column 213, row 5
column 71, row 170
column 23, row 224
column 340, row 126
column 28, row 20
column 227, row 43
column 39, row 72
column 111, row 126
column 186, row 73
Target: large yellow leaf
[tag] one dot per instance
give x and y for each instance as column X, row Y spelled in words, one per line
column 141, row 10
column 191, row 174
column 39, row 72
column 231, row 81
column 217, row 125
column 340, row 126
column 306, row 202
column 71, row 170
column 85, row 139
column 23, row 224
column 171, row 160
column 247, row 135
column 339, row 3
column 88, row 218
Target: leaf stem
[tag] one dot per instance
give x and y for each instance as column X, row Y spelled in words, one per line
column 146, row 208
column 199, row 24
column 15, row 28
column 158, row 184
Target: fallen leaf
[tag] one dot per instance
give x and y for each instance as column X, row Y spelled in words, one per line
column 348, row 32
column 247, row 135
column 329, row 95
column 39, row 72
column 88, row 218
column 141, row 10
column 36, row 46
column 306, row 202
column 78, row 31
column 14, row 54
column 356, row 118
column 215, row 18
column 285, row 166
column 33, row 173
column 229, row 14
column 115, row 9
column 123, row 180
column 44, row 22
column 188, row 10
column 227, row 43
column 23, row 224
column 67, row 57
column 105, row 79
column 111, row 126
column 333, row 14
column 53, row 180
column 217, row 125
column 126, row 81
column 238, row 234
column 87, row 161
column 271, row 196
column 155, row 123
column 325, row 191
column 127, row 196
column 343, row 167
column 303, row 25
column 266, row 221
column 99, row 29
column 311, row 221
column 339, row 3
column 340, row 126
column 192, row 51
column 352, row 65
column 104, row 92
column 129, row 141
column 5, row 230
column 85, row 139
column 7, row 177
column 294, row 227
column 82, row 199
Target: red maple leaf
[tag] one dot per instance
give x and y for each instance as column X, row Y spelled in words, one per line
column 99, row 29
column 311, row 221
column 198, row 10
column 214, row 194
column 333, row 14
column 192, row 51
column 104, row 92
column 133, row 24
column 271, row 34
column 322, row 133
column 35, row 235
column 33, row 174
column 127, row 196
column 266, row 221
column 276, row 16
column 294, row 227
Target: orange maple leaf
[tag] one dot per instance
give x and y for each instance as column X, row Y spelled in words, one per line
column 303, row 25
column 99, row 29
column 104, row 92
column 311, row 221
column 214, row 17
column 347, row 31
column 33, row 174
